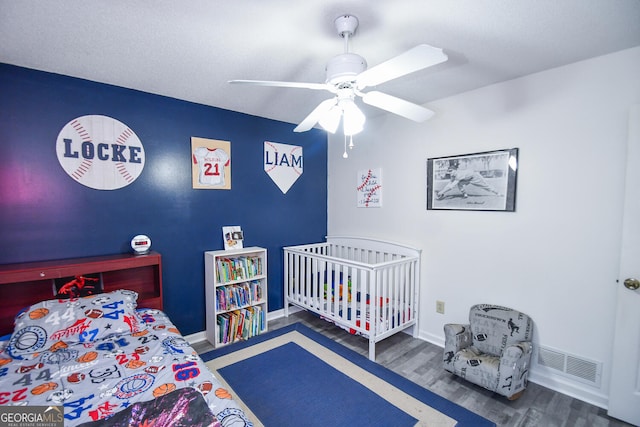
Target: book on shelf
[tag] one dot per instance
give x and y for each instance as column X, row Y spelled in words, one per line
column 230, row 297
column 238, row 268
column 240, row 324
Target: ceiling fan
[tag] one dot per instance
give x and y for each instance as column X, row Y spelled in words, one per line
column 348, row 76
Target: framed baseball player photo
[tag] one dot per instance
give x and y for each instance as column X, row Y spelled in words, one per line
column 477, row 182
column 210, row 164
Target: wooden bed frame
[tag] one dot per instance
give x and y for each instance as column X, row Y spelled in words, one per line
column 24, row 284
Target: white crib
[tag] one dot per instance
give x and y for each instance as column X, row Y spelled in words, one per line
column 343, row 278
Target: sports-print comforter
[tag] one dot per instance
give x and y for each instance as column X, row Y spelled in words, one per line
column 94, row 373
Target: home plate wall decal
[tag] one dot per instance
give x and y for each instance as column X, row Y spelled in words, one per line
column 283, row 163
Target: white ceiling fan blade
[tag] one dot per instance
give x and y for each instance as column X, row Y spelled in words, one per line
column 398, row 106
column 418, row 58
column 315, row 86
column 315, row 116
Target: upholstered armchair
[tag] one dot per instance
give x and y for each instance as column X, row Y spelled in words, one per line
column 493, row 350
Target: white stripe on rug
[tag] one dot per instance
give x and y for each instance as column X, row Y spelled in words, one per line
column 420, row 411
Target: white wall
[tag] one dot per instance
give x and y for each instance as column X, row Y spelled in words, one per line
column 556, row 257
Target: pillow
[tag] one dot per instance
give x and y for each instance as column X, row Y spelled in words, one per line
column 54, row 324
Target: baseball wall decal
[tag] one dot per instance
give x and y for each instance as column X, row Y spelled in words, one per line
column 369, row 188
column 100, row 152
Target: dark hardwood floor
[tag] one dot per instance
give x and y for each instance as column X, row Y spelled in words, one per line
column 421, row 362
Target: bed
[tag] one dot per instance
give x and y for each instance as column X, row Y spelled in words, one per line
column 106, row 360
column 367, row 287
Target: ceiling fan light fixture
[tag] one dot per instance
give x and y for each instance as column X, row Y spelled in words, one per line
column 353, row 119
column 331, row 120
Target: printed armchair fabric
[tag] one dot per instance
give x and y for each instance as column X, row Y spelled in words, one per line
column 493, row 350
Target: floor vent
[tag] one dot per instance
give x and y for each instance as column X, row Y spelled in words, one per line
column 577, row 368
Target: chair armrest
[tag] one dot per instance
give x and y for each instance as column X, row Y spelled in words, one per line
column 456, row 337
column 514, row 365
column 516, row 352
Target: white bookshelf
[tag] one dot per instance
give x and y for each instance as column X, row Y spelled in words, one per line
column 235, row 294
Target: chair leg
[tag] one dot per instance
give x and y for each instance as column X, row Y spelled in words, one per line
column 516, row 396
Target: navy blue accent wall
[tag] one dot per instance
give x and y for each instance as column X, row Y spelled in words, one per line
column 45, row 214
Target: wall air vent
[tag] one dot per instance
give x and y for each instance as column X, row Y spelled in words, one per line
column 571, row 366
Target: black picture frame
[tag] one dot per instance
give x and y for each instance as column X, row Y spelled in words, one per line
column 484, row 181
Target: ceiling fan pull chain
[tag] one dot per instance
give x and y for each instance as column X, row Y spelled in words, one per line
column 345, row 155
column 351, row 143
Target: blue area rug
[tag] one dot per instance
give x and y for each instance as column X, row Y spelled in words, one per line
column 304, row 382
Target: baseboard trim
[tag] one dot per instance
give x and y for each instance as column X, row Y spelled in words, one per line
column 430, row 338
column 277, row 314
column 576, row 390
column 197, row 337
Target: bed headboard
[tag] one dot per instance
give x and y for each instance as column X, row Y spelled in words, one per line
column 24, row 284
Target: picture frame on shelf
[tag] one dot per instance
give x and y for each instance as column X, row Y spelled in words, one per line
column 233, row 237
column 484, row 181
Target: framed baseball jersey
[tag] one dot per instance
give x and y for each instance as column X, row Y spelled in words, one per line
column 211, row 164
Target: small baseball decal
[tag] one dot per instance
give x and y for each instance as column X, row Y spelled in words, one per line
column 369, row 188
column 100, row 152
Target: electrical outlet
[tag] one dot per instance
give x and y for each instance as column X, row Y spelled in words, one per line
column 440, row 307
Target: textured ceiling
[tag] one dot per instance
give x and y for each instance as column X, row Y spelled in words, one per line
column 189, row 50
